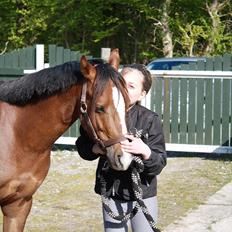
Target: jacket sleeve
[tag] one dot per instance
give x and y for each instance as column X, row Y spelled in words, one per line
column 155, row 140
column 84, row 146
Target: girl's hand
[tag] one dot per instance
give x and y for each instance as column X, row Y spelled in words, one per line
column 136, row 146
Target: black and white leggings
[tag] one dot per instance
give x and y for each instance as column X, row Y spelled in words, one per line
column 138, row 223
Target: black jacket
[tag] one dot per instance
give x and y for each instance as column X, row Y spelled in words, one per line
column 146, row 123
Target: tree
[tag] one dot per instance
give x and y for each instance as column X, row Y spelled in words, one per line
column 141, row 29
column 7, row 18
column 218, row 31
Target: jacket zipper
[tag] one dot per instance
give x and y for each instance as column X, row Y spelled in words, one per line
column 113, row 191
column 147, row 183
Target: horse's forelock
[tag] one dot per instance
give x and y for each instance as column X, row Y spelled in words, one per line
column 105, row 73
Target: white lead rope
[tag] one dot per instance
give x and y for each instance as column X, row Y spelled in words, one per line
column 136, row 182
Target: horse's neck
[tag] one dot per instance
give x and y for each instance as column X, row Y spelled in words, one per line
column 49, row 119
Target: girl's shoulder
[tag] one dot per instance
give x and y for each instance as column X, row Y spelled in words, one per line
column 145, row 112
column 143, row 121
column 143, row 118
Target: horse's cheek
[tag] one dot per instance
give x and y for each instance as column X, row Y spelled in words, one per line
column 115, row 124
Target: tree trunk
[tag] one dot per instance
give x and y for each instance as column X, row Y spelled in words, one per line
column 167, row 34
column 213, row 11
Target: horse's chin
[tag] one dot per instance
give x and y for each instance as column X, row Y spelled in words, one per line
column 118, row 159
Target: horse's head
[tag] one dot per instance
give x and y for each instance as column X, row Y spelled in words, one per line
column 104, row 105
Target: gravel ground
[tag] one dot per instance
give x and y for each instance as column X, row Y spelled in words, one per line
column 66, row 200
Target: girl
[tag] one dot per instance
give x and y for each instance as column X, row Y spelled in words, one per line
column 145, row 139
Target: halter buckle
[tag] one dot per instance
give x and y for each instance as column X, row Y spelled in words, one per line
column 83, row 107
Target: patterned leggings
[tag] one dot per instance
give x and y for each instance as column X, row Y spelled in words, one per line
column 138, row 223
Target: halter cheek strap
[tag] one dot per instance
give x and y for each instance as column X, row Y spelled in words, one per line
column 86, row 119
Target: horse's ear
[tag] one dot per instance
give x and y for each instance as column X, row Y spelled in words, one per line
column 114, row 59
column 87, row 69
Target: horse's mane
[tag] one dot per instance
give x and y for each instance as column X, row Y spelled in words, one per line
column 41, row 84
column 49, row 81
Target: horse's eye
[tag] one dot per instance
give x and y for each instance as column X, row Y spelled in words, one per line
column 100, row 109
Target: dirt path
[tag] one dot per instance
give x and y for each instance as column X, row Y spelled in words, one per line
column 215, row 215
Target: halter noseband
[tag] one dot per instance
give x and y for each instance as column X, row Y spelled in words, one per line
column 85, row 118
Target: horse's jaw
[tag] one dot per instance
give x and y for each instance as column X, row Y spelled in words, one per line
column 118, row 159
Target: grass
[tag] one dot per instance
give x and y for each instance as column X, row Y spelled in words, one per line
column 188, row 182
column 66, row 200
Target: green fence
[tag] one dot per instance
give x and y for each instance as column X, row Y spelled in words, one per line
column 59, row 55
column 22, row 58
column 218, row 63
column 13, row 64
column 194, row 110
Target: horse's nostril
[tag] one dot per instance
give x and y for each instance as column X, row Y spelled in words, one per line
column 118, row 161
column 119, row 155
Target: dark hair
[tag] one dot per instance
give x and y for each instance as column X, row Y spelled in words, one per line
column 146, row 74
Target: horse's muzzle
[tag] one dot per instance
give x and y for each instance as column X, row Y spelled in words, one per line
column 118, row 159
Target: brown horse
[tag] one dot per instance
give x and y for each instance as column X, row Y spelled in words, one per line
column 37, row 109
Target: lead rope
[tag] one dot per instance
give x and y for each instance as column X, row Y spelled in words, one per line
column 136, row 184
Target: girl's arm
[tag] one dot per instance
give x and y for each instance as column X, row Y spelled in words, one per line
column 85, row 146
column 151, row 149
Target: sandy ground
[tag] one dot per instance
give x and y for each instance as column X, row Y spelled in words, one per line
column 66, row 200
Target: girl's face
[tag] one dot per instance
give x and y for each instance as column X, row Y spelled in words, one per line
column 134, row 83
